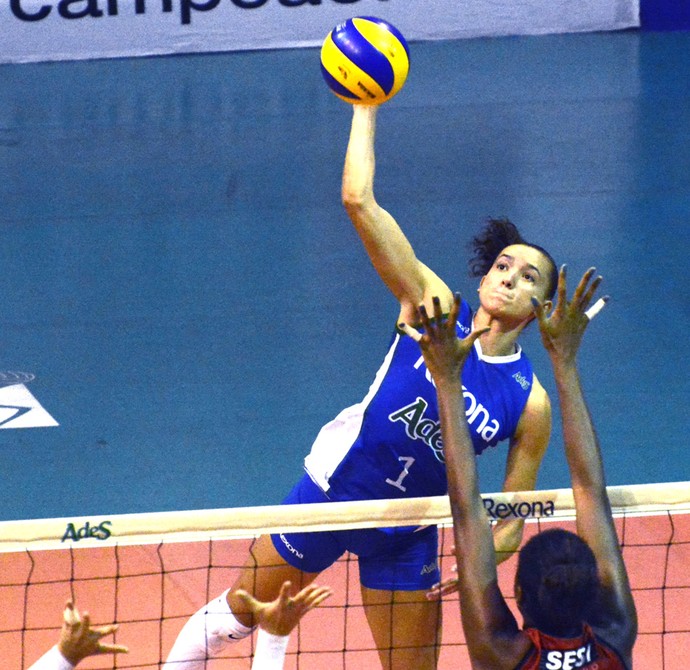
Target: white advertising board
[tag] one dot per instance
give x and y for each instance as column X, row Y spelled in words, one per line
column 48, row 30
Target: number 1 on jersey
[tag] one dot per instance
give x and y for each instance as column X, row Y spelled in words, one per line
column 398, row 483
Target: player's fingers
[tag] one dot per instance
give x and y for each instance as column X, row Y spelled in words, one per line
column 562, row 288
column 102, row 631
column 113, row 649
column 309, row 598
column 454, row 310
column 475, row 335
column 285, row 589
column 424, row 317
column 317, row 596
column 589, row 293
column 450, row 582
column 312, row 588
column 410, row 331
column 69, row 615
column 323, row 590
column 582, row 286
column 305, row 594
column 450, row 587
column 438, row 313
column 284, row 595
column 322, row 594
column 445, row 588
column 538, row 309
column 249, row 600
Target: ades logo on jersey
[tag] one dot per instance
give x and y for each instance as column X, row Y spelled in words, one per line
column 420, row 427
column 567, row 660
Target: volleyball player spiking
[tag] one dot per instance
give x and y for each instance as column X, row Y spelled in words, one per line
column 388, row 445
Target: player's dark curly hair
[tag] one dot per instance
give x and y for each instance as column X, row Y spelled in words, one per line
column 496, row 235
column 557, row 573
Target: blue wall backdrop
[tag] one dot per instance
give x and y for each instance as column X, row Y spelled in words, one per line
column 183, row 283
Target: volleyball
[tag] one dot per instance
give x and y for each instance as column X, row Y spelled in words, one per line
column 365, row 60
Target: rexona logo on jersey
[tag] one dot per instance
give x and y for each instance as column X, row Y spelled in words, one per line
column 567, row 660
column 420, row 427
column 100, row 531
column 290, row 548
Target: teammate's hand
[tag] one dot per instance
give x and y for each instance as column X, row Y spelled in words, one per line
column 281, row 615
column 79, row 640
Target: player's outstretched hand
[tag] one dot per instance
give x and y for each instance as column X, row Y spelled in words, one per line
column 563, row 328
column 444, row 352
column 444, row 588
column 79, row 640
column 281, row 615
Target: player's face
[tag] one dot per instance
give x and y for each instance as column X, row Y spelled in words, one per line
column 518, row 274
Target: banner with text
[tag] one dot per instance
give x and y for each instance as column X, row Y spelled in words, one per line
column 48, row 30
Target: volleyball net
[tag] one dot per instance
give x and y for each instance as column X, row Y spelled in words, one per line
column 150, row 572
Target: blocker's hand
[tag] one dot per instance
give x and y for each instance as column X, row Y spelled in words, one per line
column 444, row 352
column 562, row 329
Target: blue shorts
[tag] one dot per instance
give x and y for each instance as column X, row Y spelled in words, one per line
column 391, row 560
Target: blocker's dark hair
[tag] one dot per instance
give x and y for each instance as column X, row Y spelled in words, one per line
column 496, row 235
column 557, row 573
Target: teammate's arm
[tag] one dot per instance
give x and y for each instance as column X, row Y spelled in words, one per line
column 390, row 252
column 561, row 333
column 78, row 640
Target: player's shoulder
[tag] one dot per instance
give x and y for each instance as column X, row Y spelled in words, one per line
column 618, row 639
column 534, row 427
column 538, row 401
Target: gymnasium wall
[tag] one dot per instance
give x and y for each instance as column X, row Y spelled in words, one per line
column 49, row 30
column 661, row 15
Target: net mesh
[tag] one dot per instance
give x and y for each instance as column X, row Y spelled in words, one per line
column 150, row 572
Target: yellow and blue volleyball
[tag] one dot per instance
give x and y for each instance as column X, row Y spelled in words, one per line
column 365, row 60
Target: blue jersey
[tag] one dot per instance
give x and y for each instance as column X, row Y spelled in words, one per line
column 389, row 445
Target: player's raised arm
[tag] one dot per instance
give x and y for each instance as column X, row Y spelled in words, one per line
column 484, row 611
column 527, row 448
column 562, row 332
column 391, row 254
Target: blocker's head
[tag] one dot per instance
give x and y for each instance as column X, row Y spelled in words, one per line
column 557, row 583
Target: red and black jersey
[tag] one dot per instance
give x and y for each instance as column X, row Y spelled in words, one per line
column 585, row 652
